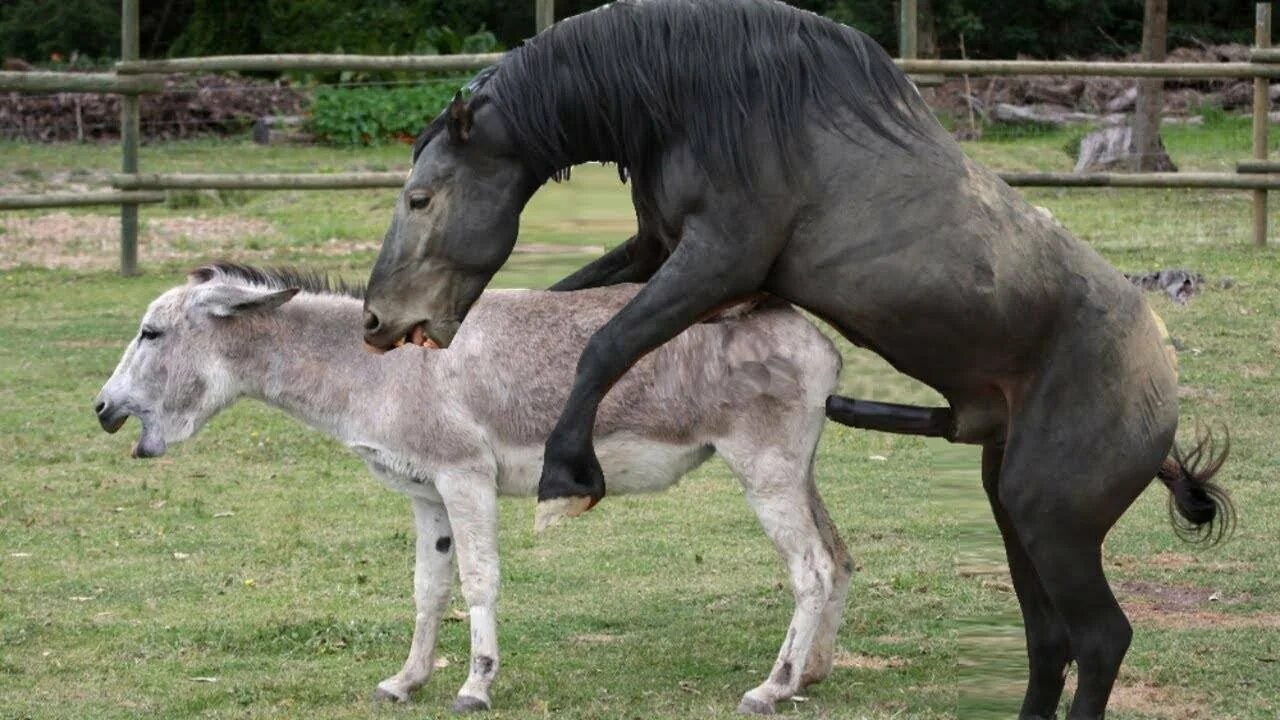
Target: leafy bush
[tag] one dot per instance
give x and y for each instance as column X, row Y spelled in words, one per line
column 372, row 115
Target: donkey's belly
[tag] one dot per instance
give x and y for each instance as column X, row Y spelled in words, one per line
column 631, row 464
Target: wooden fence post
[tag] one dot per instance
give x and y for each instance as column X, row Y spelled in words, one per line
column 908, row 29
column 544, row 13
column 129, row 132
column 1261, row 105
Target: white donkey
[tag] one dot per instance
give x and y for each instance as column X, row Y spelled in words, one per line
column 452, row 429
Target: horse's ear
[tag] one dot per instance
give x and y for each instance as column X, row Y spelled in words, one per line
column 460, row 118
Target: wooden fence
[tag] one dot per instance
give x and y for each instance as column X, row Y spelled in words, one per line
column 134, row 77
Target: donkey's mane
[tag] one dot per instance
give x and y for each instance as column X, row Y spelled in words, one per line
column 618, row 83
column 279, row 278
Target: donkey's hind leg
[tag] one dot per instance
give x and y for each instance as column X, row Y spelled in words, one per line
column 822, row 655
column 1048, row 644
column 777, row 489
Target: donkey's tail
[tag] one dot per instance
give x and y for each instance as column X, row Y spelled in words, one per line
column 1204, row 511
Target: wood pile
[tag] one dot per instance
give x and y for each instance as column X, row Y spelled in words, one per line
column 191, row 106
column 1065, row 100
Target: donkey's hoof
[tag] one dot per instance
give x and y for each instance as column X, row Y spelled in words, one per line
column 390, row 695
column 469, row 704
column 752, row 706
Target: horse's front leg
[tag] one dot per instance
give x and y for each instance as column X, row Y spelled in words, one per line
column 432, row 581
column 471, row 496
column 708, row 270
column 633, row 261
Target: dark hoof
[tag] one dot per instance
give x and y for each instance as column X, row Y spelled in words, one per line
column 573, row 476
column 389, row 696
column 751, row 706
column 468, row 704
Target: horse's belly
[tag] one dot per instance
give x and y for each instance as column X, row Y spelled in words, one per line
column 631, row 464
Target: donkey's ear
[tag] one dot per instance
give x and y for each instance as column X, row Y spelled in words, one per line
column 460, row 118
column 231, row 300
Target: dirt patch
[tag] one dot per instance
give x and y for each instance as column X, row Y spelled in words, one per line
column 863, row 661
column 595, row 639
column 63, row 240
column 1186, row 607
column 1148, row 699
column 83, row 242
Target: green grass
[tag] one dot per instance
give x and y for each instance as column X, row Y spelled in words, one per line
column 664, row 606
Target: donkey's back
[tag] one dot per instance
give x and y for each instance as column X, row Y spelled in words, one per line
column 722, row 385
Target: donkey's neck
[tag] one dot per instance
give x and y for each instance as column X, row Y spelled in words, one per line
column 310, row 363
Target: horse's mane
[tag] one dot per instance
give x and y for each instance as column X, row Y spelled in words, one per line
column 620, row 82
column 278, row 278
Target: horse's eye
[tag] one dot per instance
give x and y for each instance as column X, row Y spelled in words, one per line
column 418, row 201
column 149, row 334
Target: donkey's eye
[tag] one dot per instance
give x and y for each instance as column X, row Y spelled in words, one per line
column 149, row 334
column 419, row 200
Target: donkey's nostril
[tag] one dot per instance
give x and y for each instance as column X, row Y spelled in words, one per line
column 371, row 321
column 100, row 407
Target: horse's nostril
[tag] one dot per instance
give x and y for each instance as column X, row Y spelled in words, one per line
column 100, row 407
column 371, row 321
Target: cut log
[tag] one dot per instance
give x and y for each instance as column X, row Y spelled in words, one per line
column 1047, row 114
column 276, row 129
column 1112, row 148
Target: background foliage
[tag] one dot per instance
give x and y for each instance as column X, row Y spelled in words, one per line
column 35, row 29
column 371, row 115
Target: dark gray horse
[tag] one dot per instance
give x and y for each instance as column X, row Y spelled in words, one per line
column 772, row 151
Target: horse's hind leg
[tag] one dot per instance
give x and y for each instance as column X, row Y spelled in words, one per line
column 1048, row 644
column 1072, row 466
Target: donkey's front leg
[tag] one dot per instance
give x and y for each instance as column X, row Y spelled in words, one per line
column 705, row 272
column 471, row 497
column 432, row 580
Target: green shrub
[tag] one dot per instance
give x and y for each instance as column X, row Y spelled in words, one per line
column 372, row 115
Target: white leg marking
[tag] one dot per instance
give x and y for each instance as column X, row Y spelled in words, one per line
column 432, row 581
column 473, row 509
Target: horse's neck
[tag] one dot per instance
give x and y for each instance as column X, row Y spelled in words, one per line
column 314, row 368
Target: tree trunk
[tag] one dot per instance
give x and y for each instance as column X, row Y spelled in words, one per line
column 1148, row 151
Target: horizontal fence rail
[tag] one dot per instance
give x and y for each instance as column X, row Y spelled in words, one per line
column 447, row 63
column 258, row 181
column 52, row 200
column 1200, row 180
column 1254, row 176
column 1258, row 166
column 55, row 82
column 282, row 63
column 1090, row 69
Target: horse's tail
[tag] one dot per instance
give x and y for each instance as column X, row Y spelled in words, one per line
column 1207, row 513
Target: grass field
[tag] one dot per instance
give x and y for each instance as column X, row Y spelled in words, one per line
column 257, row 571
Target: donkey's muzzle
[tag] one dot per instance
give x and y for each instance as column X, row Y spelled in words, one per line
column 110, row 417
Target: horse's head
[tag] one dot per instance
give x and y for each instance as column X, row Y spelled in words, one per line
column 454, row 226
column 173, row 376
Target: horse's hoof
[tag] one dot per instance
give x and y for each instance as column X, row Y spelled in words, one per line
column 554, row 511
column 469, row 704
column 385, row 694
column 751, row 706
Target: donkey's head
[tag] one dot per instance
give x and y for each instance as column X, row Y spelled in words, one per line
column 173, row 375
column 454, row 225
